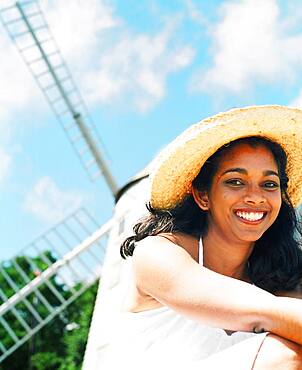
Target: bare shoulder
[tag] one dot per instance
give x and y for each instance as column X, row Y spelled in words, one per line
column 158, row 264
column 175, row 246
column 157, row 252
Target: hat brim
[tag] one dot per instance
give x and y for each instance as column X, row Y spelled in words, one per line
column 181, row 161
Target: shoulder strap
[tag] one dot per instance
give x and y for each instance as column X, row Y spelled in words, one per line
column 200, row 252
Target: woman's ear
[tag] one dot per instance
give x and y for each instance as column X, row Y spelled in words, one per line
column 201, row 198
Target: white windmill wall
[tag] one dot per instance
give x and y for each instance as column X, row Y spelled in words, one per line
column 129, row 208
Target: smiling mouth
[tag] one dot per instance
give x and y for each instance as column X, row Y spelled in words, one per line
column 250, row 216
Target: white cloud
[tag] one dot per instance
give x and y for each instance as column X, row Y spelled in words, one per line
column 49, row 203
column 117, row 65
column 110, row 62
column 17, row 92
column 17, row 88
column 136, row 68
column 78, row 25
column 250, row 44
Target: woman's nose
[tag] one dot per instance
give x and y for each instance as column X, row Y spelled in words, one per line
column 254, row 195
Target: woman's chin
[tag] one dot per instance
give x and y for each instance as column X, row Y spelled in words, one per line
column 250, row 237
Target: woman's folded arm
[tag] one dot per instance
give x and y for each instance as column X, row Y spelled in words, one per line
column 168, row 273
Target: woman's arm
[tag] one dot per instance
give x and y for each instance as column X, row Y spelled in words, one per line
column 167, row 272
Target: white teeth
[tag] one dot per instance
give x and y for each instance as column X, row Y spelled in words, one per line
column 250, row 216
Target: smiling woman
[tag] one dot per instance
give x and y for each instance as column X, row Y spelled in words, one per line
column 219, row 245
column 244, row 192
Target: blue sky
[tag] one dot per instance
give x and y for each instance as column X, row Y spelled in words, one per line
column 146, row 70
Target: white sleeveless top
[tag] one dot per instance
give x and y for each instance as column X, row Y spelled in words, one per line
column 162, row 338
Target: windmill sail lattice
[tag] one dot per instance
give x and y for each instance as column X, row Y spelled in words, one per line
column 26, row 25
column 77, row 246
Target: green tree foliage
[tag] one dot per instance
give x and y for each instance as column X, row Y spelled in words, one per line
column 59, row 345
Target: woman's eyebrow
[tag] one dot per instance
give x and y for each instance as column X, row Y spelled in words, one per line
column 270, row 172
column 236, row 169
column 244, row 171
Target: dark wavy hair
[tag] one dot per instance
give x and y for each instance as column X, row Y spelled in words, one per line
column 276, row 261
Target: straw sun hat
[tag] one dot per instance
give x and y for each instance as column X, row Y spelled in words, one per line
column 180, row 162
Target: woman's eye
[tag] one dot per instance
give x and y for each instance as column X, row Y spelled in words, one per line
column 271, row 185
column 234, row 182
